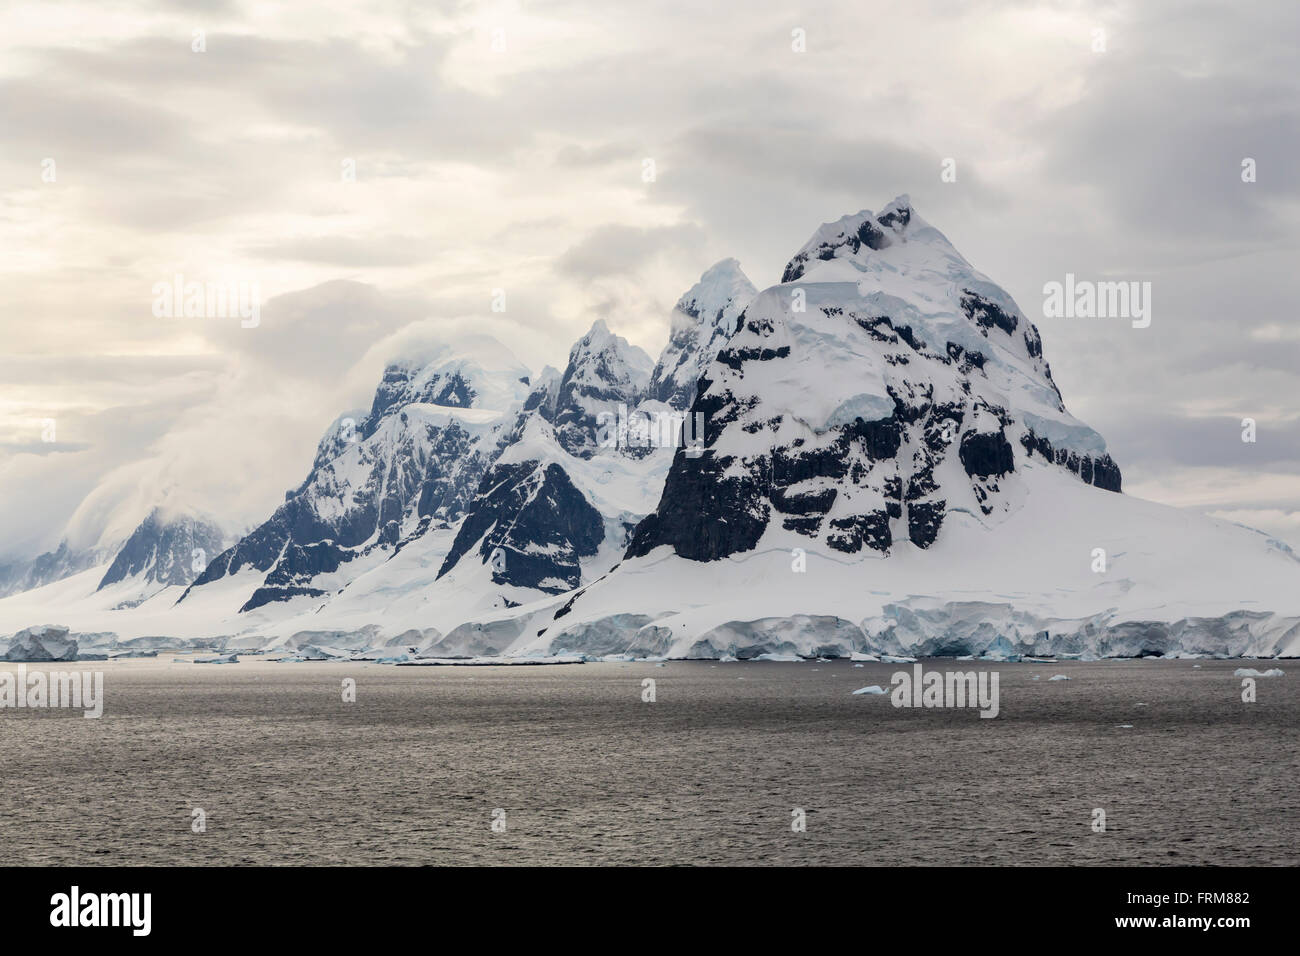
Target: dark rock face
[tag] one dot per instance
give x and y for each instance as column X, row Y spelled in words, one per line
column 165, row 552
column 531, row 516
column 268, row 595
column 711, row 515
column 1100, row 471
column 429, row 475
column 984, row 455
column 986, row 314
column 924, row 519
column 532, row 525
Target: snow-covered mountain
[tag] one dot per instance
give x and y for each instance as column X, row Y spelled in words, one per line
column 383, row 478
column 170, row 546
column 166, row 549
column 64, row 561
column 465, row 482
column 871, row 455
column 701, row 323
column 604, row 371
column 888, row 464
column 881, row 385
column 559, row 505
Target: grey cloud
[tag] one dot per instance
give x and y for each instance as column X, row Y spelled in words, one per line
column 618, row 250
column 354, row 251
column 1164, row 151
column 43, row 448
column 1204, row 442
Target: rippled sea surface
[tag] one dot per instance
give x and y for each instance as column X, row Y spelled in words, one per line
column 709, row 773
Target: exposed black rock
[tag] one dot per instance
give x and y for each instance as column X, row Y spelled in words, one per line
column 987, row 314
column 1101, row 472
column 924, row 518
column 985, row 454
column 535, row 522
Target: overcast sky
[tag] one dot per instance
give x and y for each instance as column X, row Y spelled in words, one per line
column 503, row 146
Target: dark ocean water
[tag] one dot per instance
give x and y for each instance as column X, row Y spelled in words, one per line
column 587, row 773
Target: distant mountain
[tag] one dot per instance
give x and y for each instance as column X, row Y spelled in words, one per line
column 412, row 462
column 459, row 453
column 25, row 575
column 166, row 550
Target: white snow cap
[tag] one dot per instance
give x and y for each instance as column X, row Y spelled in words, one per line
column 702, row 321
column 722, row 285
column 621, row 353
column 895, row 264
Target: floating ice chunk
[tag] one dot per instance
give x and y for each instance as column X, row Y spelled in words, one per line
column 890, row 659
column 219, row 659
column 783, row 658
column 859, row 665
column 859, row 656
column 1251, row 672
column 1058, row 677
column 44, row 642
column 874, row 690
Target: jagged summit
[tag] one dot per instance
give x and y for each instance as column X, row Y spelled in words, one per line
column 474, row 372
column 557, row 505
column 169, row 547
column 604, row 370
column 701, row 322
column 847, row 236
